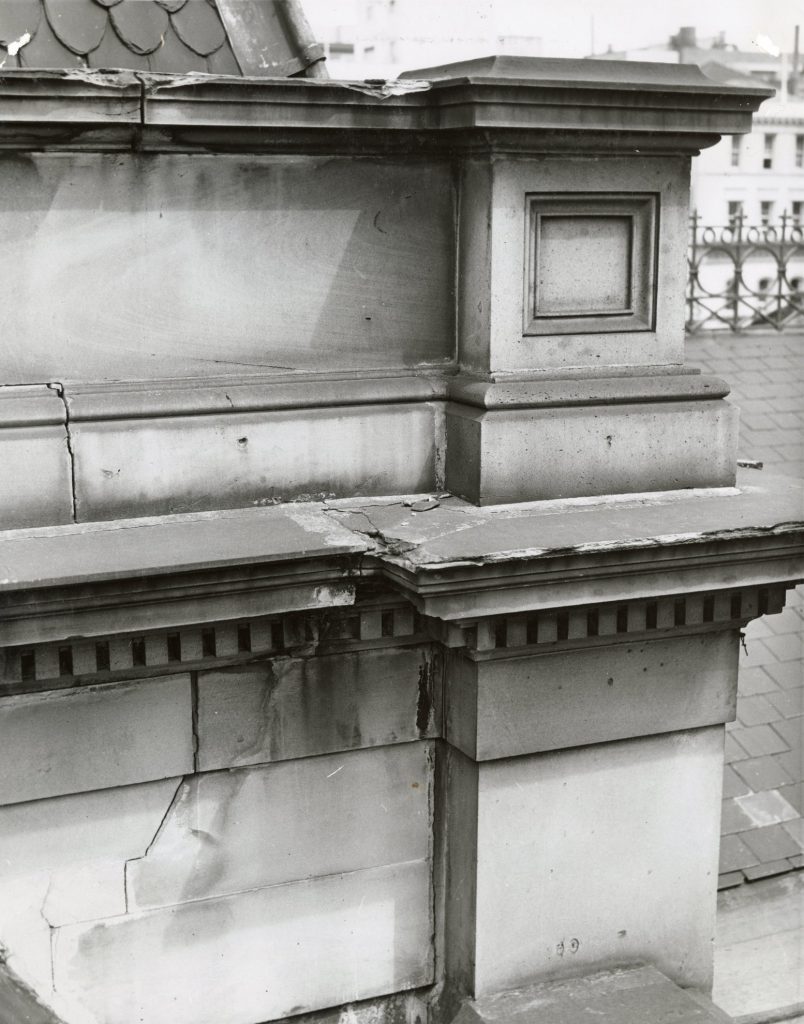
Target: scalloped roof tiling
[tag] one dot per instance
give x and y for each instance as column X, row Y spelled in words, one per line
column 219, row 37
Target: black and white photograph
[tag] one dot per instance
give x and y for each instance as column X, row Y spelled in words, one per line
column 401, row 512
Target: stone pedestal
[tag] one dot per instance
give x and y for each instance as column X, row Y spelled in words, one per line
column 356, row 756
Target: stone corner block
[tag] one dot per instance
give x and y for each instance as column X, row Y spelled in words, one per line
column 94, row 737
column 531, row 454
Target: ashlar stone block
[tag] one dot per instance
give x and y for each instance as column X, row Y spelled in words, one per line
column 507, row 707
column 65, row 832
column 539, row 880
column 500, row 456
column 263, row 954
column 95, row 737
column 253, row 827
column 294, row 707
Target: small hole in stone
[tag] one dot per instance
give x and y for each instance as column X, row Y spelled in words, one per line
column 138, row 651
column 174, row 647
column 28, row 665
column 102, row 662
column 208, row 643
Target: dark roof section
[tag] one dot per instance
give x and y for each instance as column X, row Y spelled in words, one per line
column 252, row 38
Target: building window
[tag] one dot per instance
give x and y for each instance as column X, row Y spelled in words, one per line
column 800, row 151
column 766, row 212
column 736, row 142
column 797, row 209
column 735, row 211
column 767, row 159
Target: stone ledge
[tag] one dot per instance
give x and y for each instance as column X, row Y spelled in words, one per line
column 627, row 996
column 540, row 97
column 536, row 394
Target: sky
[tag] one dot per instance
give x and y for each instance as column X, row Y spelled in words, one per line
column 566, row 27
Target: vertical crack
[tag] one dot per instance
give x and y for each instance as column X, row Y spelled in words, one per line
column 194, row 697
column 59, row 389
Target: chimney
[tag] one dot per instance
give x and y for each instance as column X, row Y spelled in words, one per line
column 686, row 36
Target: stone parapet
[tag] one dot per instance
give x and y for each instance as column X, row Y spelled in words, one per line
column 478, row 707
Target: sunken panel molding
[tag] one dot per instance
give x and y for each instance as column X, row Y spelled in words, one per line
column 578, row 309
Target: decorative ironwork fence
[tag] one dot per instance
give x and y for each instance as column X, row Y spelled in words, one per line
column 746, row 278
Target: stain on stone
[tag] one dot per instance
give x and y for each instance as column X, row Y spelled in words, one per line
column 429, row 674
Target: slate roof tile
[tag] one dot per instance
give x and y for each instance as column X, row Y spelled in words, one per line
column 18, row 17
column 79, row 24
column 140, row 25
column 199, row 26
column 112, row 54
column 174, row 54
column 223, row 61
column 217, row 37
column 45, row 50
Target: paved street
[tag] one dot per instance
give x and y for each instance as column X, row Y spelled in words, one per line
column 762, row 825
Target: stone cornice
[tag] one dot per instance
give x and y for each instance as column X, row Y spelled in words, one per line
column 455, row 562
column 510, row 104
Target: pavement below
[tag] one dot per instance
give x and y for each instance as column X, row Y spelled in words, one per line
column 759, row 947
column 762, row 827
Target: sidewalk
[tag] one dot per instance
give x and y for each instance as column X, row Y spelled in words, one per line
column 762, row 827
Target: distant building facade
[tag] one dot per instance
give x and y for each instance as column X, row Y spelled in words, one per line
column 760, row 176
column 382, row 38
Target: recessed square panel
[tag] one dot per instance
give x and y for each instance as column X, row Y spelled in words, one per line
column 584, row 265
column 590, row 265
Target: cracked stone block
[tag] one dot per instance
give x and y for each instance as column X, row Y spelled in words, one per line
column 35, row 455
column 125, row 732
column 252, row 827
column 288, row 454
column 262, row 954
column 67, row 831
column 293, row 707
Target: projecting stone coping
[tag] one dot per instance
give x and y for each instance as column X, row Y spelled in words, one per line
column 514, row 97
column 457, row 532
column 420, row 536
column 86, row 552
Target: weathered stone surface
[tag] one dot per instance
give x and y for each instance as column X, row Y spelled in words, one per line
column 254, row 458
column 85, row 892
column 98, row 737
column 94, row 551
column 516, row 455
column 294, row 707
column 627, row 996
column 262, row 954
column 24, row 933
column 246, row 829
column 559, row 835
column 67, row 831
column 358, row 272
column 493, row 317
column 503, row 708
column 37, row 461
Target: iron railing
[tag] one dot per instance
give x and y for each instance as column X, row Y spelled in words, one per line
column 746, row 277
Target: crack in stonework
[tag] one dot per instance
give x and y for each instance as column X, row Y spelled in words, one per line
column 131, row 860
column 59, row 389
